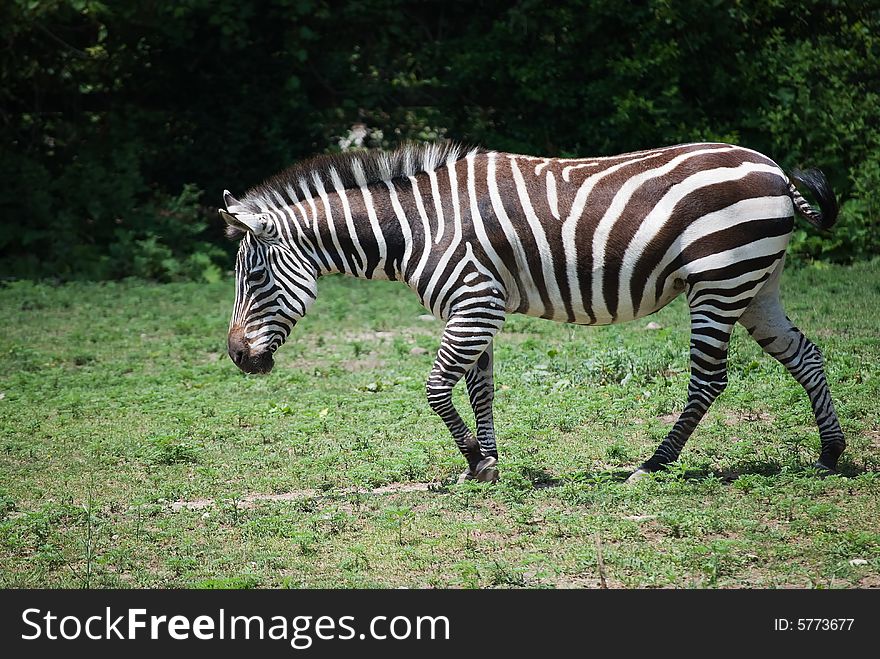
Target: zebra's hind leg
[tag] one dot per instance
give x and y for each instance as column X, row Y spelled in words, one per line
column 766, row 321
column 466, row 339
column 711, row 327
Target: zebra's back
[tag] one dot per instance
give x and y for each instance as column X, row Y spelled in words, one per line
column 603, row 240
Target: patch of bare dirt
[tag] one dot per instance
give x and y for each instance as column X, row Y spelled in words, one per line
column 870, row 581
column 366, row 363
column 479, row 535
column 368, row 335
column 736, row 417
column 251, row 500
column 584, row 581
column 405, row 333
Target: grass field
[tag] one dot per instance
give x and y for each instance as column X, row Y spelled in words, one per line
column 133, row 452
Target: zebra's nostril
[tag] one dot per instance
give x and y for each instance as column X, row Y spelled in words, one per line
column 236, row 355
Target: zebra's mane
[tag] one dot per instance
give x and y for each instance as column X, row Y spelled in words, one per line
column 351, row 170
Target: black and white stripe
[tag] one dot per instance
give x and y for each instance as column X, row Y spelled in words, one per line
column 478, row 235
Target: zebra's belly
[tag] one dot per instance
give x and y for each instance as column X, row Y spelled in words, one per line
column 595, row 309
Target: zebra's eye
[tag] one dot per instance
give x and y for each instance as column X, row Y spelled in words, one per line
column 256, row 276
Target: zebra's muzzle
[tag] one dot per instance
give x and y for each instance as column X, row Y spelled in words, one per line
column 254, row 364
column 249, row 362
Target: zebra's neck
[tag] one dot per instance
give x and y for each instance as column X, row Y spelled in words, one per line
column 375, row 231
column 352, row 231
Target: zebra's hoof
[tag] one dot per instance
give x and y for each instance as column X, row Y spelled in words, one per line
column 636, row 476
column 487, row 472
column 825, row 470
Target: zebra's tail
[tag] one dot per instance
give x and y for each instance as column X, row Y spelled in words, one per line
column 814, row 181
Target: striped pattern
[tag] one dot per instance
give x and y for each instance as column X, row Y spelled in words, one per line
column 478, row 235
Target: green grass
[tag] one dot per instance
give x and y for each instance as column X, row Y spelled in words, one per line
column 118, row 400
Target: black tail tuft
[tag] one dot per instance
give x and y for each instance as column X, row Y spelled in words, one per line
column 814, row 181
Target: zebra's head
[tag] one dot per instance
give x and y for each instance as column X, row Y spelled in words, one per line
column 275, row 284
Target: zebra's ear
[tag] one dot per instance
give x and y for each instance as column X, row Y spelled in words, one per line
column 232, row 204
column 255, row 224
column 236, row 218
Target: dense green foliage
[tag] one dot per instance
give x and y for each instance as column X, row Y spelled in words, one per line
column 116, row 116
column 134, row 453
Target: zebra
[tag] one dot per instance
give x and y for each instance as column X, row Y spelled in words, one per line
column 479, row 234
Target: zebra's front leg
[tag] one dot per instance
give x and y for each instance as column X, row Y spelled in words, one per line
column 481, row 391
column 465, row 350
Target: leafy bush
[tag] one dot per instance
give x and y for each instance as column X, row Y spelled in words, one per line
column 99, row 220
column 857, row 232
column 170, row 248
column 116, row 115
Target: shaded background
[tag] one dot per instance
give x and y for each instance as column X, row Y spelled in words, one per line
column 122, row 122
